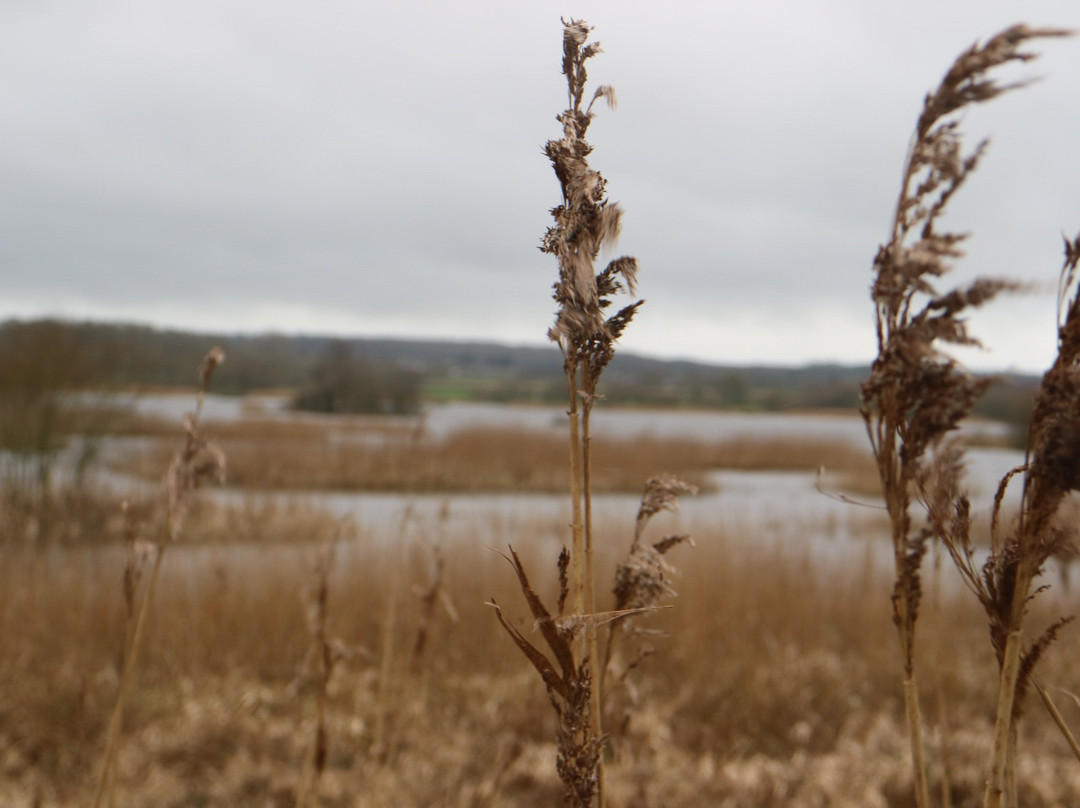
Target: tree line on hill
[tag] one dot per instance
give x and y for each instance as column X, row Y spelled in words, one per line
column 395, row 376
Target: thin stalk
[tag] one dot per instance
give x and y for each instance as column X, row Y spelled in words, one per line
column 942, row 702
column 595, row 693
column 1010, row 669
column 112, row 743
column 1059, row 719
column 918, row 753
column 903, row 609
column 313, row 760
column 577, row 476
column 387, row 691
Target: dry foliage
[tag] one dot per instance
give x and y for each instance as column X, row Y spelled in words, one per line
column 585, row 223
column 198, row 461
column 793, row 703
column 916, row 393
column 498, row 459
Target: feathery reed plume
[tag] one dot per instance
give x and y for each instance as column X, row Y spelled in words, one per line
column 916, row 393
column 1004, row 582
column 197, row 462
column 642, row 580
column 585, row 222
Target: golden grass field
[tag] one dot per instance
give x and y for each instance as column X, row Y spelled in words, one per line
column 306, row 455
column 776, row 682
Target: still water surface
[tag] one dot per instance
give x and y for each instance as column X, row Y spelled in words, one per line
column 773, row 509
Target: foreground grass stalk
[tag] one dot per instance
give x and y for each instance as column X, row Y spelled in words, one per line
column 1007, row 583
column 585, row 223
column 918, row 749
column 1058, row 718
column 591, row 647
column 916, row 394
column 197, row 462
column 1010, row 671
column 577, row 488
column 106, row 783
column 321, row 660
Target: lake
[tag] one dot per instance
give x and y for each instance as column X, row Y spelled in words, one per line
column 784, row 509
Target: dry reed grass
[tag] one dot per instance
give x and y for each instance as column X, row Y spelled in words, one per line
column 917, row 394
column 793, row 703
column 254, row 426
column 495, row 459
column 197, row 462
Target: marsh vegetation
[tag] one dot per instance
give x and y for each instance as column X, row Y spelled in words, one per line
column 388, row 611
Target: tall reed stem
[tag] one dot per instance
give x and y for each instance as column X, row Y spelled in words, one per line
column 585, row 222
column 915, row 733
column 591, row 646
column 112, row 738
column 198, row 461
column 1010, row 670
column 917, row 393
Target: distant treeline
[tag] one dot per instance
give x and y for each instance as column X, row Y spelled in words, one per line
column 394, row 375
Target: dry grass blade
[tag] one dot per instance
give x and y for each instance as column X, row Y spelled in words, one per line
column 557, row 639
column 551, row 677
column 569, row 690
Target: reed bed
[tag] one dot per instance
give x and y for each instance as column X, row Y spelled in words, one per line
column 495, row 459
column 254, row 426
column 793, row 702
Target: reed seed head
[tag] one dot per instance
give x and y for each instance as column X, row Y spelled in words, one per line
column 585, row 223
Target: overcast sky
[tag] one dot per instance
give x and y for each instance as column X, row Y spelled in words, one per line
column 376, row 168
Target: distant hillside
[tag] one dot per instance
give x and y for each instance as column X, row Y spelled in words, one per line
column 118, row 354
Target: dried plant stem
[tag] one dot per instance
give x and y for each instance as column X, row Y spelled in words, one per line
column 198, row 461
column 917, row 394
column 945, row 786
column 583, row 589
column 585, row 222
column 314, row 759
column 591, row 646
column 915, row 731
column 906, row 595
column 577, row 485
column 1059, row 719
column 383, row 743
column 1003, row 724
column 322, row 655
column 112, row 740
column 386, row 673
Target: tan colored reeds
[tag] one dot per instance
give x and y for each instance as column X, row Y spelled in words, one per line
column 585, row 223
column 1004, row 583
column 485, row 459
column 197, row 462
column 917, row 394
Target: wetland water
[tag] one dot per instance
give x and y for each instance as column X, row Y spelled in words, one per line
column 769, row 509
